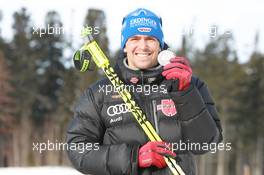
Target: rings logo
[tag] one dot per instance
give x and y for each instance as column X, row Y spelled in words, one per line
column 117, row 109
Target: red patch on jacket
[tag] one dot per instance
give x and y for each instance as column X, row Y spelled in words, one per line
column 167, row 107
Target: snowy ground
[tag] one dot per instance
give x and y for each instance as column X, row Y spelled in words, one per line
column 38, row 171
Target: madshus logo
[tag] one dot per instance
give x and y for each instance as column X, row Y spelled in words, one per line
column 117, row 109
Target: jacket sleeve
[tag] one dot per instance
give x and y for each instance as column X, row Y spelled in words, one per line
column 86, row 131
column 198, row 115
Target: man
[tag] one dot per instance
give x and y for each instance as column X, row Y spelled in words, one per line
column 179, row 107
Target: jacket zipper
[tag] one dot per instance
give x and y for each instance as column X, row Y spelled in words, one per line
column 153, row 105
column 142, row 78
column 155, row 115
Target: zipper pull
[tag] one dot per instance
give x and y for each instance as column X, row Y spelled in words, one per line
column 154, row 105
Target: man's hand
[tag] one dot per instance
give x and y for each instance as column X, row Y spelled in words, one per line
column 151, row 154
column 178, row 68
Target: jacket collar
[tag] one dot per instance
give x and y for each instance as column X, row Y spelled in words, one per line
column 129, row 76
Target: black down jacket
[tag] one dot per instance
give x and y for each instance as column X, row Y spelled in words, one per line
column 108, row 137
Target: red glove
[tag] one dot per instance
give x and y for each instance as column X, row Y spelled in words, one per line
column 152, row 154
column 178, row 68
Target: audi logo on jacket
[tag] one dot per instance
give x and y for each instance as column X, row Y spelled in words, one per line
column 179, row 117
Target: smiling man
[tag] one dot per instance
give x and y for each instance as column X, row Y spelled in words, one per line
column 184, row 114
column 142, row 52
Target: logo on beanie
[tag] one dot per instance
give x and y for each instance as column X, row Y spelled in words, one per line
column 144, row 29
column 147, row 22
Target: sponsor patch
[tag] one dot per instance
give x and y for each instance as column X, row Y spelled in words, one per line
column 116, row 120
column 116, row 96
column 144, row 29
column 152, row 79
column 134, row 80
column 143, row 22
column 117, row 109
column 167, row 107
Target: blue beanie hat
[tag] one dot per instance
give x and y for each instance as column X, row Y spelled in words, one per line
column 141, row 22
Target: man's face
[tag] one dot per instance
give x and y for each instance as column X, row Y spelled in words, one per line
column 142, row 51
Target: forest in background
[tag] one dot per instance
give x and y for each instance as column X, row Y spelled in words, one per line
column 38, row 91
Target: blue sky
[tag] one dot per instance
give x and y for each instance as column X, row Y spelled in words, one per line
column 241, row 18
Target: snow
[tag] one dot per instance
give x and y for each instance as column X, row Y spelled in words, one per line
column 39, row 171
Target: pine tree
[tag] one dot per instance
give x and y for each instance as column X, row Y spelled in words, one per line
column 22, row 67
column 6, row 112
column 216, row 65
column 48, row 56
column 247, row 115
column 5, row 90
column 250, row 114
